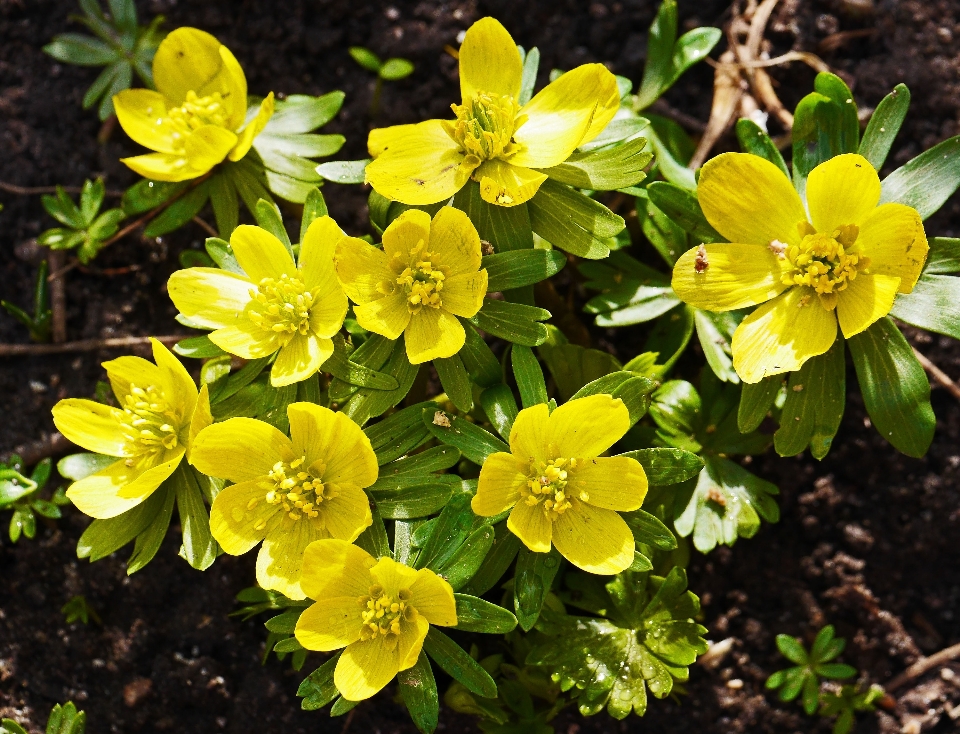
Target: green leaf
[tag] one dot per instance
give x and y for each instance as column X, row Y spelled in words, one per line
column 514, row 322
column 531, row 64
column 80, row 50
column 517, row 268
column 755, row 401
column 9, row 726
column 684, row 209
column 715, row 334
column 475, row 443
column 633, row 390
column 197, row 347
column 418, row 691
column 835, row 671
column 221, row 253
column 825, row 646
column 894, row 387
column 343, row 172
column 931, row 305
column 460, row 567
column 573, row 366
column 302, row 113
column 149, row 540
column 341, row 367
column 479, row 615
column 80, row 466
column 458, row 664
column 832, row 86
column 368, row 403
column 318, row 688
column 534, row 576
column 412, row 469
column 606, row 169
column 661, row 40
column 943, row 257
column 342, row 706
column 505, row 547
column 572, row 221
column 374, row 539
column 648, row 529
column 754, row 139
column 398, row 434
column 672, row 169
column 480, row 362
column 396, row 69
column 179, row 212
column 927, row 181
column 811, row 414
column 884, row 125
column 314, row 207
column 792, row 649
column 501, row 408
column 529, row 376
column 418, row 500
column 366, row 58
column 663, row 233
column 630, row 304
column 268, row 217
column 103, row 537
column 199, row 547
column 816, row 136
column 66, row 720
column 455, row 382
column 667, row 466
column 146, row 195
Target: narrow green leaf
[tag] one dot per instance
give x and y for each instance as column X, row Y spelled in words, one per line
column 667, row 466
column 366, row 58
column 572, row 221
column 475, row 443
column 146, row 195
column 269, row 218
column 79, row 466
column 792, row 649
column 197, row 347
column 648, row 529
column 179, row 212
column 344, row 172
column 342, row 706
column 480, row 362
column 318, row 688
column 396, row 69
column 754, row 139
column 313, row 208
column 458, row 664
column 606, row 169
column 80, row 50
column 531, row 64
column 514, row 322
column 149, row 540
column 684, row 209
column 755, row 402
column 816, row 136
column 455, row 382
column 501, row 408
column 467, row 559
column 506, row 545
column 302, row 113
column 573, row 366
column 529, row 376
column 932, row 305
column 943, row 257
column 927, row 181
column 221, row 253
column 398, row 434
column 517, row 268
column 479, row 615
column 534, row 576
column 199, row 547
column 660, row 46
column 418, row 500
column 418, row 690
column 368, row 403
column 884, row 125
column 832, row 86
column 414, row 468
column 352, row 373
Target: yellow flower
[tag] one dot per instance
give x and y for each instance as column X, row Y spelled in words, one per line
column 195, row 119
column 426, row 275
column 159, row 416
column 560, row 491
column 380, row 611
column 277, row 305
column 845, row 263
column 289, row 492
column 493, row 139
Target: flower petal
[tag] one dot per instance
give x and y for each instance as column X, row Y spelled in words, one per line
column 237, row 526
column 260, row 254
column 434, row 333
column 388, row 316
column 232, row 85
column 528, row 437
column 361, row 267
column 867, row 298
column 382, row 138
column 433, row 598
column 748, row 199
column 190, row 60
column 118, row 488
column 418, row 166
column 842, row 190
column 142, row 113
column 532, row 526
column 393, row 576
column 210, row 297
column 127, row 370
column 412, row 635
column 608, row 104
column 207, row 146
column 403, row 234
column 613, row 483
column 892, row 237
column 330, row 624
column 321, row 434
column 281, row 556
column 463, row 294
column 333, row 568
column 560, row 115
column 253, row 129
column 782, row 334
column 178, row 386
column 348, row 514
column 586, row 427
column 365, row 668
column 240, row 449
column 300, row 358
column 201, row 418
column 454, row 242
column 489, row 61
column 92, row 426
column 505, row 184
column 735, row 276
column 170, row 167
column 594, row 539
column 498, row 488
column 245, row 339
column 318, row 271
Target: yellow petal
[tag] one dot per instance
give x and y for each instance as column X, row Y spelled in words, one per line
column 142, row 113
column 613, row 483
column 560, row 115
column 316, row 266
column 92, row 426
column 505, row 184
column 126, row 371
column 892, row 237
column 260, row 254
column 463, row 294
column 245, row 339
column 454, row 242
column 328, row 311
column 528, row 437
column 866, row 299
column 842, row 190
column 393, row 576
column 240, row 449
column 365, row 668
column 434, row 333
column 412, row 635
column 608, row 103
column 190, row 60
column 281, row 555
column 382, row 138
column 748, row 199
column 361, row 268
column 498, row 487
column 333, row 568
column 321, row 434
column 586, row 427
column 118, row 488
column 782, row 334
column 178, row 386
column 210, row 297
column 330, row 624
column 419, row 166
column 201, row 418
column 532, row 526
column 253, row 129
column 168, row 167
column 489, row 61
column 735, row 276
column 594, row 539
column 232, row 85
column 348, row 513
column 403, row 234
column 237, row 526
column 207, row 146
column 433, row 598
column 388, row 316
column 300, row 358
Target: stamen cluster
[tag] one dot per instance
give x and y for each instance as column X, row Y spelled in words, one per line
column 148, row 422
column 281, row 305
column 382, row 614
column 422, row 280
column 194, row 113
column 546, row 485
column 300, row 492
column 484, row 128
column 825, row 262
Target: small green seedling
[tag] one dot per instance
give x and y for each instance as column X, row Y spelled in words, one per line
column 84, row 227
column 810, row 667
column 78, row 609
column 846, row 703
column 63, row 720
column 391, row 70
column 39, row 323
column 22, row 495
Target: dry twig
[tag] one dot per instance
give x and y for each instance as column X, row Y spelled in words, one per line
column 939, row 376
column 38, row 190
column 58, row 299
column 924, row 665
column 85, row 345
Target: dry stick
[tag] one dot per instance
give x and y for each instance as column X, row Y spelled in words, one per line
column 58, row 299
column 205, row 227
column 37, row 190
column 85, row 345
column 923, row 665
column 941, row 377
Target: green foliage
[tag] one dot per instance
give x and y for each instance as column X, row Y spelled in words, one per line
column 390, row 70
column 78, row 609
column 120, row 44
column 40, row 322
column 280, row 639
column 85, row 228
column 804, row 677
column 845, row 703
column 63, row 719
column 21, row 494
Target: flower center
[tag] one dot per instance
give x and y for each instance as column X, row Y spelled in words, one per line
column 547, row 486
column 422, row 280
column 382, row 614
column 299, row 491
column 148, row 422
column 826, row 262
column 194, row 113
column 281, row 305
column 484, row 128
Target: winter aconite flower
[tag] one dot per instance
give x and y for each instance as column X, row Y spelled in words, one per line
column 845, row 263
column 493, row 139
column 426, row 275
column 380, row 611
column 289, row 492
column 276, row 305
column 159, row 416
column 560, row 491
column 196, row 117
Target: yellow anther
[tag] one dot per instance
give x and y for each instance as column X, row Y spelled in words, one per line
column 485, row 127
column 148, row 422
column 825, row 262
column 282, row 306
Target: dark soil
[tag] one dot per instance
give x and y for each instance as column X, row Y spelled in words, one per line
column 867, row 539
